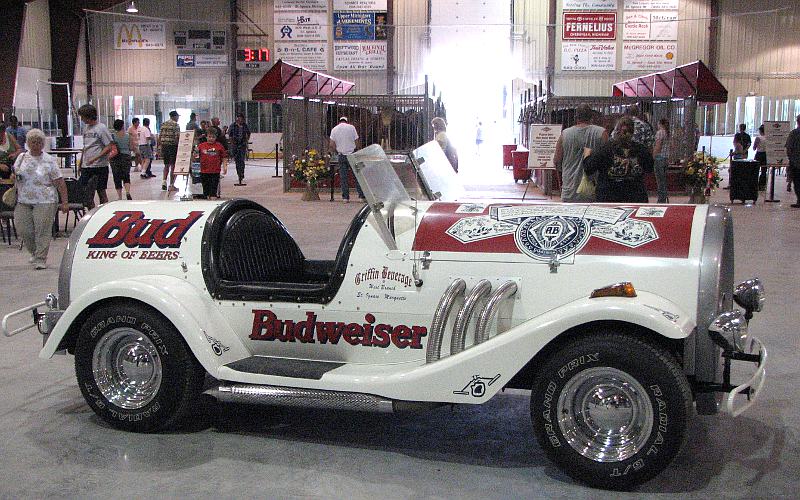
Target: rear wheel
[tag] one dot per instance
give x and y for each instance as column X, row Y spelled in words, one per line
column 134, row 369
column 611, row 410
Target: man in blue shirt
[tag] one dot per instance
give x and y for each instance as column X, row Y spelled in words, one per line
column 17, row 130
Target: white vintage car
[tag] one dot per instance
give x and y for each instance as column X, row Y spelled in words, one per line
column 620, row 320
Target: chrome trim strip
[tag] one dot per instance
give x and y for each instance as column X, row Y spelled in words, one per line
column 300, row 397
column 505, row 291
column 459, row 337
column 434, row 350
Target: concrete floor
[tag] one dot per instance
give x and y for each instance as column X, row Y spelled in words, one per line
column 54, row 446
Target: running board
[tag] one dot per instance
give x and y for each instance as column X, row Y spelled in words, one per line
column 313, row 398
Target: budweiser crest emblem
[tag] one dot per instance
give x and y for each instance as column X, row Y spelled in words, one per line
column 132, row 229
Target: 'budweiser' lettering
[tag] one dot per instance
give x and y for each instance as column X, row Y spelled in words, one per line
column 267, row 326
column 132, row 229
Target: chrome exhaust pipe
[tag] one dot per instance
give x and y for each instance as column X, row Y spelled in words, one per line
column 314, row 398
column 481, row 290
column 505, row 291
column 440, row 317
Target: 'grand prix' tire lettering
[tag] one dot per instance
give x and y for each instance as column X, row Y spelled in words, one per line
column 611, row 409
column 134, row 369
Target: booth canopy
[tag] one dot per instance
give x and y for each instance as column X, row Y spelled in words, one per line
column 286, row 79
column 690, row 80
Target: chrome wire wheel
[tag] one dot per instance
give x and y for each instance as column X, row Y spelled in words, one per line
column 605, row 414
column 127, row 368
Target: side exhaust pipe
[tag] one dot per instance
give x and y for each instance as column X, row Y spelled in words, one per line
column 439, row 322
column 457, row 341
column 505, row 291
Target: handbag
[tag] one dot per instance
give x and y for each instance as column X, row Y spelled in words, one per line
column 10, row 197
column 587, row 188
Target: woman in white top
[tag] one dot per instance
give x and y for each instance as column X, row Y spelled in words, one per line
column 39, row 184
column 661, row 152
column 760, row 147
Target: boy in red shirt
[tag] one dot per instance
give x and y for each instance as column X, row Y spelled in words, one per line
column 212, row 160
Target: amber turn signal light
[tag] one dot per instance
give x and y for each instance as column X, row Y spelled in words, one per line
column 624, row 289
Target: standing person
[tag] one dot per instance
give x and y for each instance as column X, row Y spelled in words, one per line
column 620, row 165
column 220, row 133
column 760, row 147
column 239, row 134
column 192, row 125
column 741, row 143
column 97, row 143
column 642, row 131
column 9, row 150
column 572, row 147
column 344, row 138
column 121, row 164
column 16, row 129
column 168, row 138
column 478, row 137
column 793, row 152
column 133, row 131
column 201, row 132
column 661, row 152
column 145, row 142
column 440, row 135
column 39, row 184
column 212, row 161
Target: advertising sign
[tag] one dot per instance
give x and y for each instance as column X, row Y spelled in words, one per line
column 183, row 160
column 590, row 26
column 363, row 56
column 359, row 5
column 588, row 56
column 542, row 140
column 664, row 26
column 311, row 55
column 302, row 5
column 359, row 25
column 184, row 61
column 201, row 60
column 775, row 134
column 636, row 26
column 649, row 56
column 590, row 4
column 139, row 36
column 651, row 4
column 301, row 27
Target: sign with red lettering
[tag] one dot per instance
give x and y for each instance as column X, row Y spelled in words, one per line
column 133, row 230
column 267, row 326
column 590, row 26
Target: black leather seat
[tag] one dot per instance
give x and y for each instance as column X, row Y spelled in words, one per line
column 256, row 247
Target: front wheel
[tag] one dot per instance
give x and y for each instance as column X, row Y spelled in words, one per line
column 134, row 369
column 611, row 409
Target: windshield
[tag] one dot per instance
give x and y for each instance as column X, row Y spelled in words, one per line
column 439, row 178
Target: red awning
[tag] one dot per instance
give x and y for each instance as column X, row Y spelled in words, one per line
column 286, row 79
column 690, row 80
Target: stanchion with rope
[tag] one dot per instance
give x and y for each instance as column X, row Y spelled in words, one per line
column 772, row 168
column 276, row 162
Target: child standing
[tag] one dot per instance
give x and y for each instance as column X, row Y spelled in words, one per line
column 212, row 160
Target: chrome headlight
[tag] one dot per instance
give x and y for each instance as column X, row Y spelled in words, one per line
column 750, row 295
column 729, row 330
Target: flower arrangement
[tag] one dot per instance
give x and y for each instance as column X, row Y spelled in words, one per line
column 310, row 167
column 701, row 172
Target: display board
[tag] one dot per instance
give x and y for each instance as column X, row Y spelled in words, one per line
column 588, row 56
column 775, row 135
column 649, row 56
column 183, row 162
column 590, row 26
column 301, row 33
column 542, row 145
column 359, row 35
column 201, row 60
column 199, row 39
column 139, row 36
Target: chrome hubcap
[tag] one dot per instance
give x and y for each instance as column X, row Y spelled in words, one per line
column 605, row 414
column 127, row 368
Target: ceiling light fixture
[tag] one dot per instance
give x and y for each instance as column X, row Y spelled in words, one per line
column 132, row 8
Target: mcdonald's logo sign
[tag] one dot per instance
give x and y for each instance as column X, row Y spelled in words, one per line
column 139, row 36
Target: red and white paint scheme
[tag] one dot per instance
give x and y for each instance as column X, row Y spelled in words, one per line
column 618, row 318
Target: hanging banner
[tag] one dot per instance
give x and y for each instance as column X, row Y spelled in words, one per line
column 590, row 26
column 664, row 26
column 542, row 140
column 636, row 26
column 301, row 27
column 649, row 56
column 139, row 36
column 359, row 56
column 310, row 55
column 301, row 5
column 359, row 5
column 590, row 4
column 359, row 26
column 775, row 135
column 651, row 4
column 588, row 56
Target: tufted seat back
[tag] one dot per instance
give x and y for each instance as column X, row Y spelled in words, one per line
column 256, row 247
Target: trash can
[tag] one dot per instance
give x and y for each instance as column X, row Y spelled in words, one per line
column 519, row 159
column 744, row 180
column 507, row 149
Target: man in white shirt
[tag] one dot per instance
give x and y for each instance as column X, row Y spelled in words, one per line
column 343, row 141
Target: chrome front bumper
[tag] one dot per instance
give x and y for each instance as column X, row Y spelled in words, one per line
column 44, row 321
column 752, row 388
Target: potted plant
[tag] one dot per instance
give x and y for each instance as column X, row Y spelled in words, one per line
column 309, row 168
column 701, row 176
